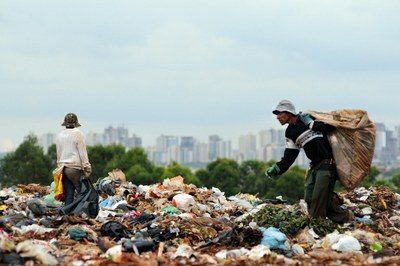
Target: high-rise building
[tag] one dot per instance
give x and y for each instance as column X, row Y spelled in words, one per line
column 271, row 152
column 272, row 147
column 173, row 154
column 46, row 141
column 389, row 153
column 271, row 136
column 187, row 150
column 219, row 148
column 213, row 141
column 114, row 135
column 200, row 152
column 248, row 146
column 224, row 149
column 163, row 142
column 380, row 144
column 380, row 140
column 168, row 149
column 93, row 139
column 133, row 141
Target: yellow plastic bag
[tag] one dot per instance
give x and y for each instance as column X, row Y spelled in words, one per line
column 58, row 186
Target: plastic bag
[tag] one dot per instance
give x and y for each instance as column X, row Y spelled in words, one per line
column 77, row 234
column 58, row 186
column 273, row 238
column 347, row 244
column 183, row 201
column 353, row 143
column 87, row 201
column 37, row 207
column 114, row 229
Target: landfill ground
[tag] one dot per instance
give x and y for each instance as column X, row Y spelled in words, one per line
column 173, row 223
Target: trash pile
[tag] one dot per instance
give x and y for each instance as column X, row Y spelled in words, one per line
column 173, row 223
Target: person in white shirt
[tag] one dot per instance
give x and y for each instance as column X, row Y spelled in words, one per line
column 72, row 157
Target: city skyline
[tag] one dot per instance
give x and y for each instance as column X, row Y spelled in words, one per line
column 266, row 145
column 192, row 67
column 150, row 139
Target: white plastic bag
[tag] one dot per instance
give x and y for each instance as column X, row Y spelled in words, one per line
column 347, row 244
column 183, row 201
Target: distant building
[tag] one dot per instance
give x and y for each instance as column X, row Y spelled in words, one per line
column 218, row 148
column 271, row 136
column 46, row 140
column 93, row 139
column 213, row 144
column 248, row 146
column 133, row 142
column 200, row 153
column 271, row 152
column 187, row 150
column 224, row 149
column 114, row 135
column 118, row 135
column 167, row 149
column 173, row 154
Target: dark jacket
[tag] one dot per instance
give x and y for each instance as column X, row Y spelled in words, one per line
column 313, row 140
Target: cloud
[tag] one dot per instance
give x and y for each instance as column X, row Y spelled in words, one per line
column 208, row 66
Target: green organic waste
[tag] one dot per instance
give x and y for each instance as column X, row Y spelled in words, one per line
column 321, row 226
column 271, row 215
column 289, row 222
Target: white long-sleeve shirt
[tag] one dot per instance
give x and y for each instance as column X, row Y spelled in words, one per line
column 71, row 150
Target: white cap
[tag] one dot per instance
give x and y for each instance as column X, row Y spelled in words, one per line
column 284, row 106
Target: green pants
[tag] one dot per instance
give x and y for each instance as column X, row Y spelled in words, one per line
column 318, row 193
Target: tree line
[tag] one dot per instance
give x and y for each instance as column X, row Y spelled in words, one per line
column 29, row 164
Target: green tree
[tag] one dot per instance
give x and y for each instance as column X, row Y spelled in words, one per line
column 290, row 185
column 139, row 175
column 133, row 157
column 100, row 156
column 52, row 154
column 396, row 180
column 203, row 176
column 253, row 179
column 370, row 179
column 222, row 173
column 28, row 164
column 136, row 166
column 384, row 182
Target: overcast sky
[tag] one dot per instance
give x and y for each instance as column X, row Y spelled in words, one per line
column 192, row 67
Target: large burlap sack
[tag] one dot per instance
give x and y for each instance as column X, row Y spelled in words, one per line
column 353, row 143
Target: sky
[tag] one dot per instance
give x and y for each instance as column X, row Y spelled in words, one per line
column 192, row 68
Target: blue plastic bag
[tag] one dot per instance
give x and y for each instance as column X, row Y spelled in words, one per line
column 273, row 238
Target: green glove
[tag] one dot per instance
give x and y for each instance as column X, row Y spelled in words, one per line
column 272, row 171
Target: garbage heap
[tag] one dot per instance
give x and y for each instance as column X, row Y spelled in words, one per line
column 173, row 223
